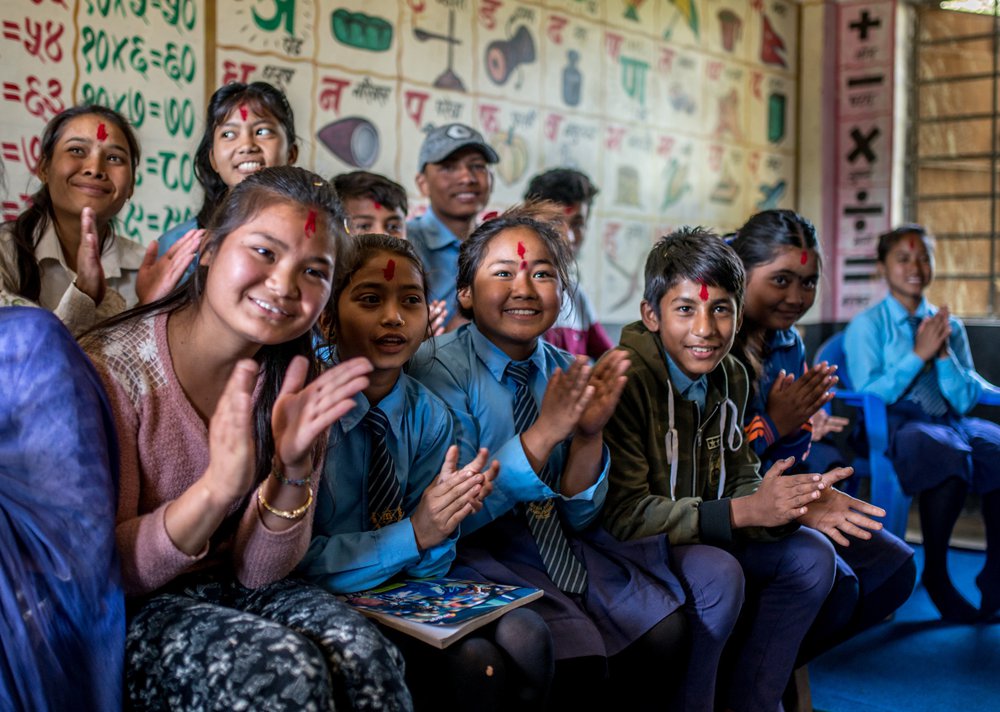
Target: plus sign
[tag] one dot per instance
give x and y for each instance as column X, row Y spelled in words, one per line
column 864, row 24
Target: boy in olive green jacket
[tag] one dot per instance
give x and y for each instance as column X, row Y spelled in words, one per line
column 680, row 467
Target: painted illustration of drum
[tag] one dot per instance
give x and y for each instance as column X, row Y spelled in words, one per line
column 504, row 56
column 353, row 139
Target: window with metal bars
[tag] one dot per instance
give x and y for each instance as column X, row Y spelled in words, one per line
column 952, row 160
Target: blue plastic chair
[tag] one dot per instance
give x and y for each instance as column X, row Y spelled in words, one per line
column 885, row 490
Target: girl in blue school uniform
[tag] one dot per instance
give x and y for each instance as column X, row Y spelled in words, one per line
column 248, row 127
column 392, row 495
column 780, row 251
column 612, row 606
column 916, row 357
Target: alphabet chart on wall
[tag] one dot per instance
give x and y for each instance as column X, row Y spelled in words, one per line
column 681, row 111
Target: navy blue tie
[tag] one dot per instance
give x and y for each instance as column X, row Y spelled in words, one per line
column 565, row 570
column 924, row 391
column 385, row 497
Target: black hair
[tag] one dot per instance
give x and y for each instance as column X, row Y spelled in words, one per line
column 363, row 248
column 757, row 243
column 696, row 254
column 760, row 238
column 364, row 184
column 565, row 186
column 888, row 240
column 473, row 250
column 259, row 96
column 31, row 224
column 279, row 185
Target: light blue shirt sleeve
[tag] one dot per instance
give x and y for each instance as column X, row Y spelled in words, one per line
column 344, row 555
column 880, row 355
column 881, row 359
column 469, row 381
column 957, row 377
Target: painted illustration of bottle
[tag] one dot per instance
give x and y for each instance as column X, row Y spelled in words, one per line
column 775, row 117
column 572, row 79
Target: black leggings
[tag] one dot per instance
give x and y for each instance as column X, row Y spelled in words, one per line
column 507, row 665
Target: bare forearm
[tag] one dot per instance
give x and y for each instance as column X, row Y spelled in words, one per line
column 583, row 464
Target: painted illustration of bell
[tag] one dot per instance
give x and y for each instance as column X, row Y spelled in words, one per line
column 353, row 139
column 775, row 117
column 572, row 79
column 628, row 186
column 730, row 26
column 504, row 56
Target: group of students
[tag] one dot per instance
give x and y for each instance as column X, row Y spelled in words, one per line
column 304, row 410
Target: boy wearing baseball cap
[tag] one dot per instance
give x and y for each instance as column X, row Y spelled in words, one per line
column 455, row 177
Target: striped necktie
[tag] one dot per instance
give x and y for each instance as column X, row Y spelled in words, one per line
column 924, row 390
column 385, row 497
column 565, row 570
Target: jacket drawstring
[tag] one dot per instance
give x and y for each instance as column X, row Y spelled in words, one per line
column 672, row 443
column 733, row 442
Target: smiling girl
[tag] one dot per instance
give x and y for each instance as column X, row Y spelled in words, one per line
column 780, row 252
column 612, row 611
column 221, row 422
column 247, row 127
column 62, row 251
column 362, row 537
column 915, row 356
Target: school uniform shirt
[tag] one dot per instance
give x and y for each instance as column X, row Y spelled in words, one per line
column 577, row 329
column 164, row 449
column 466, row 370
column 676, row 466
column 630, row 587
column 167, row 239
column 345, row 555
column 121, row 261
column 438, row 249
column 881, row 360
column 783, row 351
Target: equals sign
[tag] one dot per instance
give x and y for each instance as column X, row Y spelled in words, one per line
column 873, row 80
column 11, row 91
column 154, row 223
column 156, row 57
column 11, row 31
column 10, row 153
column 154, row 109
column 152, row 165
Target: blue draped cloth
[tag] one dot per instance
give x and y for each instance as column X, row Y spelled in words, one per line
column 62, row 616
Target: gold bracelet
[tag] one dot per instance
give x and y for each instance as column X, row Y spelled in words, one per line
column 279, row 474
column 284, row 513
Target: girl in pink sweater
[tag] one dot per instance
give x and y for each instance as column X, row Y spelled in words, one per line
column 221, row 419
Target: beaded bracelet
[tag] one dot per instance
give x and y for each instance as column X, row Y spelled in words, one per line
column 279, row 474
column 285, row 513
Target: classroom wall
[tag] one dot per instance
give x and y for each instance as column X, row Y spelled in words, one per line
column 682, row 111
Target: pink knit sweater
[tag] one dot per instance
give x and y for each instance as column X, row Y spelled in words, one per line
column 164, row 450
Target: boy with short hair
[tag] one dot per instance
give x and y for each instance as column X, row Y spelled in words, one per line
column 680, row 466
column 373, row 203
column 577, row 329
column 455, row 177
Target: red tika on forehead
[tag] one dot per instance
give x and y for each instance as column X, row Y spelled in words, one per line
column 102, row 132
column 568, row 209
column 703, row 293
column 520, row 253
column 913, row 242
column 490, row 215
column 310, row 227
column 243, row 112
column 805, row 257
column 390, row 270
column 378, row 205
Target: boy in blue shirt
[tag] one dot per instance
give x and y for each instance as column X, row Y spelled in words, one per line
column 680, row 466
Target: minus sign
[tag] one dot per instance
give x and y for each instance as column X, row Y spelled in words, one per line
column 862, row 210
column 865, row 81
